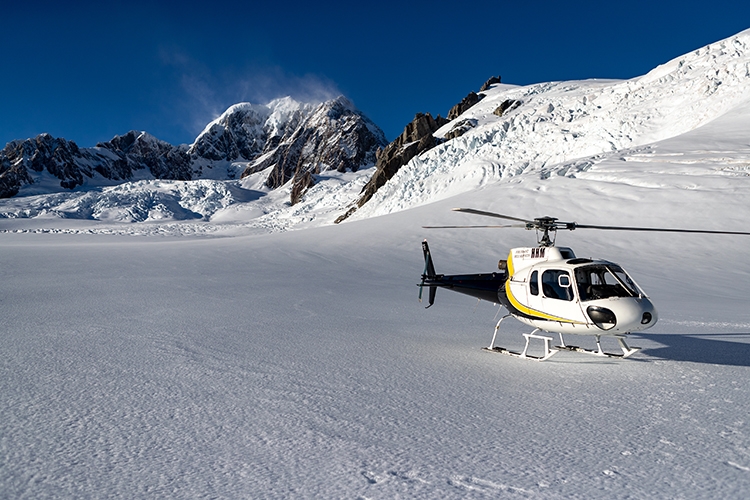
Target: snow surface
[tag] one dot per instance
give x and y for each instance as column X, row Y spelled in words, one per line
column 226, row 356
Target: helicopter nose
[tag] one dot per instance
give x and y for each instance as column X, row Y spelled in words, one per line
column 623, row 315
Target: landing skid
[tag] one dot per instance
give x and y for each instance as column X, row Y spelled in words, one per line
column 626, row 350
column 547, row 353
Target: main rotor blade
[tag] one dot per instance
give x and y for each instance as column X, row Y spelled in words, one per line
column 656, row 229
column 522, row 226
column 574, row 225
column 491, row 214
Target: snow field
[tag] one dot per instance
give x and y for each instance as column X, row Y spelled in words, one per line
column 300, row 364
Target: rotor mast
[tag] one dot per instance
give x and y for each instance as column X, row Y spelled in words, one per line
column 547, row 225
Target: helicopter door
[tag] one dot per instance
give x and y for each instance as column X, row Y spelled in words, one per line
column 557, row 295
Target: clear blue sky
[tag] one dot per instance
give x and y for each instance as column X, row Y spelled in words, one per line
column 95, row 69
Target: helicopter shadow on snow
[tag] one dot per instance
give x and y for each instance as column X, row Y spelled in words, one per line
column 729, row 349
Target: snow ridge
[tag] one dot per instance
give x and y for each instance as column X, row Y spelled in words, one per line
column 562, row 121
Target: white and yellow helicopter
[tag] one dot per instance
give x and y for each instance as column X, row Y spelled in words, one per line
column 549, row 288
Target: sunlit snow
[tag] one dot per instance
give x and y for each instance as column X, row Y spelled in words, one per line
column 203, row 339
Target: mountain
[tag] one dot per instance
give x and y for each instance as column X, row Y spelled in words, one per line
column 288, row 165
column 47, row 164
column 295, row 140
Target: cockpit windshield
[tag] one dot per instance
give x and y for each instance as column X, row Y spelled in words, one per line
column 600, row 281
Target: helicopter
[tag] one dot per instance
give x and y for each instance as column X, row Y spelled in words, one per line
column 552, row 290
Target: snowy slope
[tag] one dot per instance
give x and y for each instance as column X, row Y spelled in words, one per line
column 300, row 364
column 270, row 363
column 563, row 121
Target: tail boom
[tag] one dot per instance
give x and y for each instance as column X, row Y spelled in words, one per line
column 485, row 286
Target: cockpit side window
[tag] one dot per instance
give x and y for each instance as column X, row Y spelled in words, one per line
column 534, row 283
column 551, row 285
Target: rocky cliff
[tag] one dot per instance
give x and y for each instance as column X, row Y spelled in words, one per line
column 417, row 137
column 21, row 162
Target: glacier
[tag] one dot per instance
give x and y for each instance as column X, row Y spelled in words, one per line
column 247, row 348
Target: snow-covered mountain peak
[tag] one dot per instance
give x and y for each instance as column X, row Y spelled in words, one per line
column 285, row 111
column 250, row 115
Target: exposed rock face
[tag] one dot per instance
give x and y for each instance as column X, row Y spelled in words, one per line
column 245, row 130
column 333, row 136
column 301, row 184
column 297, row 140
column 58, row 156
column 116, row 160
column 138, row 150
column 465, row 104
column 492, row 81
column 461, row 128
column 13, row 175
column 416, row 138
column 507, row 105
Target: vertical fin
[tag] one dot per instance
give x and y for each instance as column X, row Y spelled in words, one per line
column 428, row 273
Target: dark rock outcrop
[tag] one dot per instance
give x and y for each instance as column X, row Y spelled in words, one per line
column 416, row 138
column 489, row 83
column 465, row 104
column 12, row 177
column 301, row 184
column 460, row 128
column 507, row 105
